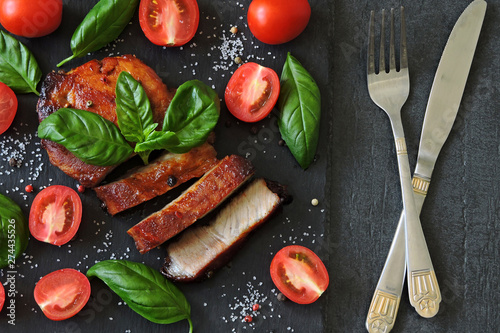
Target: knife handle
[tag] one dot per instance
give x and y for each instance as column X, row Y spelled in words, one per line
column 423, row 287
column 385, row 302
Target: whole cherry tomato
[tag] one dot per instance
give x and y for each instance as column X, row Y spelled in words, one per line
column 278, row 21
column 31, row 18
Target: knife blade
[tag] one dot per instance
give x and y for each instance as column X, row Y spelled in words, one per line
column 442, row 108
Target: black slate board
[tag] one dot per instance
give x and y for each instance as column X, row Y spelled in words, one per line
column 354, row 178
column 216, row 303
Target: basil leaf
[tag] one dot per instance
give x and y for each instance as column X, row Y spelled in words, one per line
column 300, row 111
column 103, row 24
column 18, row 66
column 90, row 137
column 158, row 140
column 14, row 234
column 144, row 290
column 192, row 115
column 135, row 116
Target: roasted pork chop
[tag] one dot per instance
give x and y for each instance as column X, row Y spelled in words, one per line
column 91, row 87
column 204, row 248
column 158, row 177
column 197, row 201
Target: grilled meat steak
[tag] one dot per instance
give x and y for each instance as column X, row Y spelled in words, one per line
column 198, row 200
column 91, row 87
column 204, row 248
column 166, row 172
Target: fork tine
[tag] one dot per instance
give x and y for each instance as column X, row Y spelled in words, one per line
column 371, row 45
column 392, row 53
column 404, row 53
column 381, row 61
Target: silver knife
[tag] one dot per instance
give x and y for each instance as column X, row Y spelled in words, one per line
column 444, row 101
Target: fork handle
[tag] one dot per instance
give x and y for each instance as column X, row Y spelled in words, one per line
column 385, row 302
column 423, row 288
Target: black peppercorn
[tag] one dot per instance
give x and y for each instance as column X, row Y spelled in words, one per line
column 171, row 181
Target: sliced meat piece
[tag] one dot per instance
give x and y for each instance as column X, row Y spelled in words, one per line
column 91, row 87
column 197, row 201
column 204, row 248
column 152, row 180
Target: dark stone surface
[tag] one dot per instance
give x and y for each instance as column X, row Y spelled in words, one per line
column 460, row 216
column 354, row 178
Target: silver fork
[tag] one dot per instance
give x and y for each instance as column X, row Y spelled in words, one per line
column 390, row 90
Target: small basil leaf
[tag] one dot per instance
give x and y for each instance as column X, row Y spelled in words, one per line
column 300, row 111
column 14, row 234
column 103, row 24
column 158, row 140
column 18, row 66
column 88, row 136
column 144, row 290
column 192, row 115
column 135, row 117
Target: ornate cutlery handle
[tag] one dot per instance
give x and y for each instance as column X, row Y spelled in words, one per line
column 423, row 288
column 385, row 301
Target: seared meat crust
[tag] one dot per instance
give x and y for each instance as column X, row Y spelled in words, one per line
column 91, row 87
column 197, row 201
column 152, row 180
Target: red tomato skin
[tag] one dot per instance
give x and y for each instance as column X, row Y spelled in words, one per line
column 55, row 193
column 31, row 18
column 186, row 30
column 278, row 21
column 239, row 82
column 8, row 107
column 320, row 275
column 2, row 296
column 59, row 278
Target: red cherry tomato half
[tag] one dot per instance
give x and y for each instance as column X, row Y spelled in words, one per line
column 31, row 18
column 55, row 215
column 169, row 22
column 8, row 107
column 252, row 92
column 299, row 274
column 2, row 296
column 278, row 21
column 62, row 294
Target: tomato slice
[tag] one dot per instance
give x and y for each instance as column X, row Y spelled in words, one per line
column 252, row 92
column 299, row 274
column 8, row 107
column 55, row 215
column 62, row 294
column 169, row 22
column 2, row 296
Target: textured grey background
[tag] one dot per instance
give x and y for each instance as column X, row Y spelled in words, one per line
column 460, row 216
column 354, row 178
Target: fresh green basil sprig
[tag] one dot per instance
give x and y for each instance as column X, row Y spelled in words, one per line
column 14, row 234
column 300, row 111
column 90, row 137
column 135, row 118
column 144, row 290
column 190, row 118
column 103, row 24
column 192, row 115
column 18, row 66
